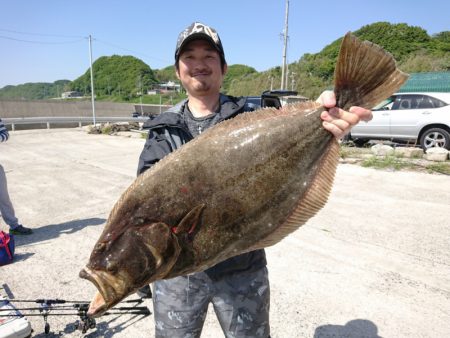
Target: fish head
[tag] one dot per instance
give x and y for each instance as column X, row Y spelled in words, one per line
column 119, row 265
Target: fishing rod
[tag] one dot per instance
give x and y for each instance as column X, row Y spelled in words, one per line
column 61, row 307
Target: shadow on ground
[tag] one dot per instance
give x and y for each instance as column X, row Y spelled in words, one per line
column 52, row 231
column 357, row 328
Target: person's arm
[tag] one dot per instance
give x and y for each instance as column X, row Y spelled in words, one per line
column 338, row 121
column 155, row 148
column 4, row 135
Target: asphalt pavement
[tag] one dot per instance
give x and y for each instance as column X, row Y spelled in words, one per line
column 375, row 261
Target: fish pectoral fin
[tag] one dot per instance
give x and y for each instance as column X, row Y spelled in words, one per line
column 190, row 221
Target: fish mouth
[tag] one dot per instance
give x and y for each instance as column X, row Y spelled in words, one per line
column 97, row 306
column 111, row 290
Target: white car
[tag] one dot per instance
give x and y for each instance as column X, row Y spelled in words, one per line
column 422, row 118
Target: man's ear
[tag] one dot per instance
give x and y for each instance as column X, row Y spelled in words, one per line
column 225, row 69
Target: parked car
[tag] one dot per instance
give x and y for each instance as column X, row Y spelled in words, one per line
column 269, row 98
column 422, row 118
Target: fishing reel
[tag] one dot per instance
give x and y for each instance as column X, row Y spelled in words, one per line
column 85, row 322
column 45, row 306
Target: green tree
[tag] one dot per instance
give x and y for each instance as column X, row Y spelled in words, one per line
column 124, row 76
column 236, row 72
column 35, row 91
column 166, row 74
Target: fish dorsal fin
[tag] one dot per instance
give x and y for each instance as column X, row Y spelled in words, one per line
column 311, row 202
column 365, row 74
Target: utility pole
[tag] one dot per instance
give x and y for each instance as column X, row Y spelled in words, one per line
column 292, row 80
column 140, row 85
column 92, row 81
column 283, row 69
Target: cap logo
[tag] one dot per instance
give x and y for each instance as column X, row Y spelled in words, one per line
column 200, row 28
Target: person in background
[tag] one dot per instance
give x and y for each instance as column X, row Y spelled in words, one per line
column 238, row 287
column 6, row 207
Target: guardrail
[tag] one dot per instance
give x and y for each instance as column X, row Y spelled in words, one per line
column 49, row 120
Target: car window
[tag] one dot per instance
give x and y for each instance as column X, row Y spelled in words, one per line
column 254, row 99
column 271, row 102
column 396, row 103
column 425, row 102
column 434, row 102
column 386, row 104
column 403, row 102
column 253, row 102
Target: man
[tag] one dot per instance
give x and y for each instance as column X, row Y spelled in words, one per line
column 6, row 207
column 238, row 288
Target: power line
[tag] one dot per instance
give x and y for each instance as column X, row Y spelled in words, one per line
column 41, row 34
column 41, row 42
column 78, row 37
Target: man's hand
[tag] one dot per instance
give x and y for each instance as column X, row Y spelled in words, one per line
column 338, row 121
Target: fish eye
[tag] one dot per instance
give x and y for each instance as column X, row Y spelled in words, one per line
column 111, row 266
column 100, row 247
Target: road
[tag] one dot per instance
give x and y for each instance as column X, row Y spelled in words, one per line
column 375, row 261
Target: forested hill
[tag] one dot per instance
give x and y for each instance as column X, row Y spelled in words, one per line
column 34, row 91
column 414, row 50
column 117, row 76
column 122, row 78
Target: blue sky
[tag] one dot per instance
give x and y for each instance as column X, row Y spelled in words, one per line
column 46, row 40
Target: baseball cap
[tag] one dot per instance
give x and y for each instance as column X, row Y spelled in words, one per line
column 198, row 30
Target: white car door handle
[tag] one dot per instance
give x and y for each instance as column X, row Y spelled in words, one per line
column 426, row 113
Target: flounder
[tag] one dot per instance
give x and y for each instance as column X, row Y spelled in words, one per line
column 244, row 184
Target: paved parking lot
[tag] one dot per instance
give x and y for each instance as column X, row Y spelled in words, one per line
column 375, row 262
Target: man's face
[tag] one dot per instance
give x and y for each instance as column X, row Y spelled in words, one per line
column 199, row 68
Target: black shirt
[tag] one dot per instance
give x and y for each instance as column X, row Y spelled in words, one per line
column 197, row 125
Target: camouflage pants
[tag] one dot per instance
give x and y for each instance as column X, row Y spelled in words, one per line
column 241, row 303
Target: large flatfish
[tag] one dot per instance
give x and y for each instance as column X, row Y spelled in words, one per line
column 243, row 184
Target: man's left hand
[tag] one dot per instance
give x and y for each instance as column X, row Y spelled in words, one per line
column 338, row 121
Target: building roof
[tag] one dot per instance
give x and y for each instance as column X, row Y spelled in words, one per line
column 427, row 82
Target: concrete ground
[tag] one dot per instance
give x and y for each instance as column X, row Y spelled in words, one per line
column 375, row 262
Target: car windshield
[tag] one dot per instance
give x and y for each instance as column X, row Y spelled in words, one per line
column 386, row 104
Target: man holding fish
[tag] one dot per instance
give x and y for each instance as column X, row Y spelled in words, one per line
column 238, row 287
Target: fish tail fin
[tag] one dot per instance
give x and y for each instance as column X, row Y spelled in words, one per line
column 365, row 74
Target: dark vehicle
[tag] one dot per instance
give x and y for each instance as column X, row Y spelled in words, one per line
column 270, row 98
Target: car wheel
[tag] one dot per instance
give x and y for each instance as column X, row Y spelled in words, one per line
column 435, row 137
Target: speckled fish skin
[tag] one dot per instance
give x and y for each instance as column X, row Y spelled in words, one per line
column 244, row 184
